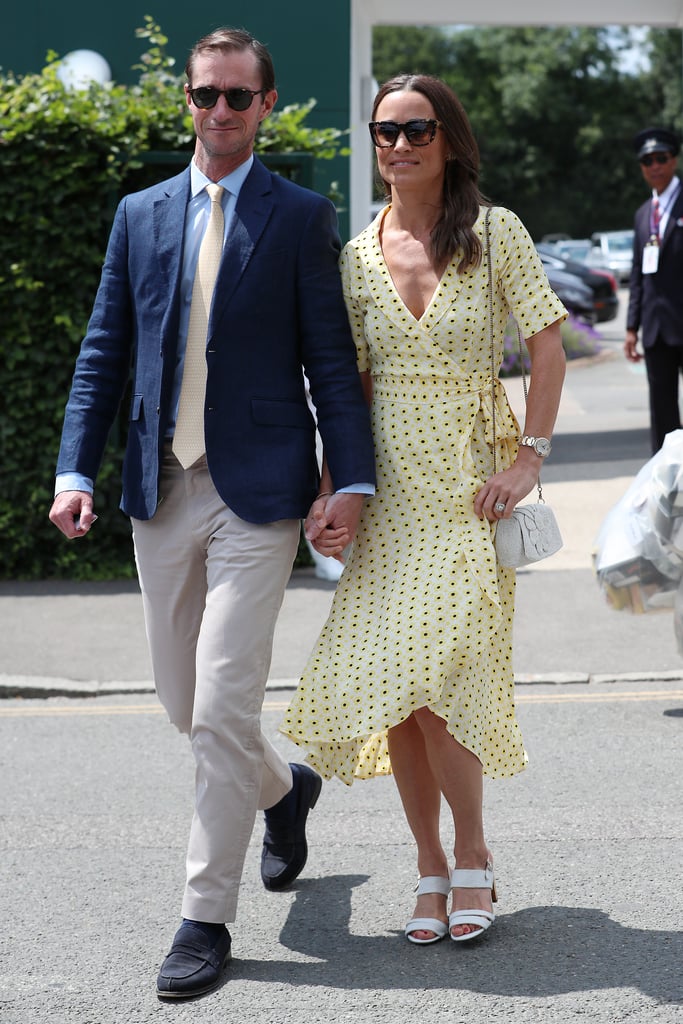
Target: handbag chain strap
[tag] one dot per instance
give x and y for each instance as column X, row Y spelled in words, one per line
column 493, row 354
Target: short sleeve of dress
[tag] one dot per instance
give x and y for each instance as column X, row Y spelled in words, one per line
column 352, row 280
column 521, row 276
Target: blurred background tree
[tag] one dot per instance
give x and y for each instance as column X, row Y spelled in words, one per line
column 554, row 111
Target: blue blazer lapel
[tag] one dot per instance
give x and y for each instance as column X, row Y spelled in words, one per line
column 252, row 213
column 169, row 227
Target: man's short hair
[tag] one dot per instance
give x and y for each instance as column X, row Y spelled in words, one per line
column 234, row 40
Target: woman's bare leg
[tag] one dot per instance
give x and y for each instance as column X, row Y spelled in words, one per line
column 421, row 798
column 458, row 774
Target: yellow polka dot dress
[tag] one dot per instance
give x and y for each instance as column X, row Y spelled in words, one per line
column 422, row 614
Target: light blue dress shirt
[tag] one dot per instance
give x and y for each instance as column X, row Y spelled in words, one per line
column 196, row 220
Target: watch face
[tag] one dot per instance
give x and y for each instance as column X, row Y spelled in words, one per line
column 543, row 446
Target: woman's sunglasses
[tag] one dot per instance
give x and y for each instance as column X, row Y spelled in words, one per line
column 655, row 158
column 205, row 97
column 419, row 132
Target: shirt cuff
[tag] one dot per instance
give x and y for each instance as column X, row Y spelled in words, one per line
column 73, row 482
column 357, row 489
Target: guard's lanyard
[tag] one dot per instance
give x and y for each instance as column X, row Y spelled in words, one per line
column 656, row 223
column 650, row 263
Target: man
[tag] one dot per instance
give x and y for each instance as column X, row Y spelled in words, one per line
column 656, row 297
column 220, row 463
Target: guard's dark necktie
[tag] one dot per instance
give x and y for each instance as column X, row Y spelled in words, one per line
column 656, row 217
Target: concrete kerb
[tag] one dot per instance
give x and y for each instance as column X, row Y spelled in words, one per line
column 38, row 687
column 42, row 687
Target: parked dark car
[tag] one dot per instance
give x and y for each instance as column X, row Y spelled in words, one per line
column 573, row 293
column 603, row 302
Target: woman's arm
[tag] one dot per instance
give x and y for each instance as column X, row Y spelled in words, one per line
column 543, row 401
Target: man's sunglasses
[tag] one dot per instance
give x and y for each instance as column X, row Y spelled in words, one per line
column 206, row 97
column 419, row 132
column 655, row 158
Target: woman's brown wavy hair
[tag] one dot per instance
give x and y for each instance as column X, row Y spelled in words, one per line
column 461, row 196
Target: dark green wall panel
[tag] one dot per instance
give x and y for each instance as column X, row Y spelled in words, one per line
column 309, row 41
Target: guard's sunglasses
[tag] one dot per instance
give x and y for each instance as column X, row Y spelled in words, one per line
column 420, row 131
column 655, row 158
column 205, row 97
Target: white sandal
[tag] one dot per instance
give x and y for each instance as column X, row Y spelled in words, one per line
column 482, row 920
column 430, row 883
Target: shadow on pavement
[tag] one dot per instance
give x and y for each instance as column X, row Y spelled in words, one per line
column 538, row 951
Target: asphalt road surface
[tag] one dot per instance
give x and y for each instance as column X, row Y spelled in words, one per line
column 95, row 805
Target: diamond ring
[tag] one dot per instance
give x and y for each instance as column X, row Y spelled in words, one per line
column 499, row 506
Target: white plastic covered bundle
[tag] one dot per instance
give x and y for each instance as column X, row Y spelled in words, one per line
column 638, row 556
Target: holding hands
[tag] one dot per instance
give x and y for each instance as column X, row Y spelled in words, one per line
column 332, row 522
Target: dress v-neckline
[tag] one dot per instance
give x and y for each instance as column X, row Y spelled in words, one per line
column 437, row 289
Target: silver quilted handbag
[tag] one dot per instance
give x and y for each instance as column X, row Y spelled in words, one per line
column 531, row 533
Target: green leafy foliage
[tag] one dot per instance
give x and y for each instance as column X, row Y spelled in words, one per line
column 285, row 132
column 66, row 157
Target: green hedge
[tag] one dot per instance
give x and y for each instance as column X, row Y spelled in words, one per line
column 66, row 157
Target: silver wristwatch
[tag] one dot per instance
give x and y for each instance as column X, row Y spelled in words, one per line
column 541, row 445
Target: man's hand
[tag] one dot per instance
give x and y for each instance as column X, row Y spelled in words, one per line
column 332, row 522
column 72, row 513
column 630, row 347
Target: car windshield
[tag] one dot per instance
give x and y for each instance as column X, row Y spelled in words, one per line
column 621, row 243
column 573, row 250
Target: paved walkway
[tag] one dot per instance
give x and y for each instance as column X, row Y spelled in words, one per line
column 65, row 637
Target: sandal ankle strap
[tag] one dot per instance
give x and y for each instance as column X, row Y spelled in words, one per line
column 433, row 883
column 464, row 878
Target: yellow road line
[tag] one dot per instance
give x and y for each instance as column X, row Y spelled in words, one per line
column 600, row 698
column 63, row 710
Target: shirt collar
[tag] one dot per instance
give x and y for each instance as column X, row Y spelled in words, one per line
column 668, row 192
column 231, row 182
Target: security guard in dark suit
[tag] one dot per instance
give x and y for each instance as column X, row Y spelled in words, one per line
column 656, row 293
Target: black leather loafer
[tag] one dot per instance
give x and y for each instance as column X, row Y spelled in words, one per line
column 194, row 963
column 284, row 844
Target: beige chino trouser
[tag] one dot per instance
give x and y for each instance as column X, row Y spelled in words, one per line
column 212, row 586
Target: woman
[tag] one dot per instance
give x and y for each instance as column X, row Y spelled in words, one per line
column 412, row 673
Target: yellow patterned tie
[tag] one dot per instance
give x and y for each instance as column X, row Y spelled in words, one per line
column 188, row 440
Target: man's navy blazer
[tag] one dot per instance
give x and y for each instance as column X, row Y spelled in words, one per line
column 656, row 300
column 277, row 307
